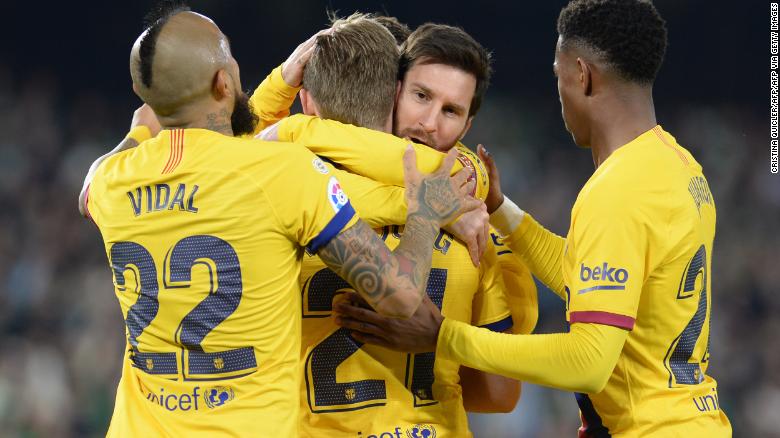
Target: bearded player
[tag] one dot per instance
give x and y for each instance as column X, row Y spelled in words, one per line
column 205, row 233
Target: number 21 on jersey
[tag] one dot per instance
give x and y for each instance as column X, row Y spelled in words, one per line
column 324, row 392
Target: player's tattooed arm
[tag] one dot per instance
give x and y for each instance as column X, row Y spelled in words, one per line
column 389, row 282
column 394, row 282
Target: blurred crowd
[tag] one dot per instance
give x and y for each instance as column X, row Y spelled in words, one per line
column 61, row 329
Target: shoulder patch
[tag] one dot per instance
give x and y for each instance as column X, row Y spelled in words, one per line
column 336, row 195
column 319, row 165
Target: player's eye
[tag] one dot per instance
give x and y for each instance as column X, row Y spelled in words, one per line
column 450, row 112
column 420, row 95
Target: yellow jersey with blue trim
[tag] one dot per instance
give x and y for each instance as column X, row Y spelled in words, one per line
column 353, row 390
column 639, row 256
column 205, row 235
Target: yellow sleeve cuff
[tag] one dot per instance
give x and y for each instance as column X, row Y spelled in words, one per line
column 515, row 239
column 272, row 99
column 507, row 217
column 280, row 86
column 541, row 250
column 140, row 134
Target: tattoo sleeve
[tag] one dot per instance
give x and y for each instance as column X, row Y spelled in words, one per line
column 392, row 282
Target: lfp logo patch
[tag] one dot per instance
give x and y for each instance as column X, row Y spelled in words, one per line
column 218, row 396
column 336, row 195
column 319, row 165
column 421, row 431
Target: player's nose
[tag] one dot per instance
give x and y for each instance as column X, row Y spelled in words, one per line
column 428, row 122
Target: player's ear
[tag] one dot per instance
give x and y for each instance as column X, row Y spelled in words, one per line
column 397, row 91
column 220, row 87
column 308, row 104
column 585, row 76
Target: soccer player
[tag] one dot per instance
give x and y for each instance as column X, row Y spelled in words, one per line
column 445, row 74
column 349, row 390
column 635, row 267
column 205, row 233
column 272, row 101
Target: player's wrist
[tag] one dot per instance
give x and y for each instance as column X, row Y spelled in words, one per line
column 285, row 78
column 423, row 225
column 507, row 217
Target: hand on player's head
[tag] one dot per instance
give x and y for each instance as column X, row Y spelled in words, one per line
column 438, row 196
column 292, row 69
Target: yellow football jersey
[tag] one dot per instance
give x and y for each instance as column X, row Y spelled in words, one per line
column 356, row 390
column 519, row 287
column 272, row 99
column 205, row 234
column 347, row 145
column 639, row 256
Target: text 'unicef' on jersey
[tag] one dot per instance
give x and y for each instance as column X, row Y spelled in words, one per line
column 199, row 398
column 415, row 431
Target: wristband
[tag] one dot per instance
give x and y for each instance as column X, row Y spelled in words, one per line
column 507, row 217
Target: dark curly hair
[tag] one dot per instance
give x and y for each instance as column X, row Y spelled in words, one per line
column 399, row 30
column 442, row 44
column 153, row 22
column 630, row 34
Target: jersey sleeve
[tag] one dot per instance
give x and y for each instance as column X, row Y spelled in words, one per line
column 377, row 203
column 519, row 286
column 541, row 250
column 469, row 159
column 308, row 198
column 95, row 205
column 139, row 133
column 92, row 196
column 272, row 99
column 489, row 306
column 609, row 245
column 374, row 154
column 581, row 360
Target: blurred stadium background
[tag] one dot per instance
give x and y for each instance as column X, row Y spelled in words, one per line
column 65, row 98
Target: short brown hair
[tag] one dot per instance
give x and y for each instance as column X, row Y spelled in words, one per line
column 441, row 44
column 399, row 30
column 353, row 71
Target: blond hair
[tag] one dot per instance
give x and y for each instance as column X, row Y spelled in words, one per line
column 352, row 73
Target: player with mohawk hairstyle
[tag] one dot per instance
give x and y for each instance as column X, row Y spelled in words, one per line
column 205, row 233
